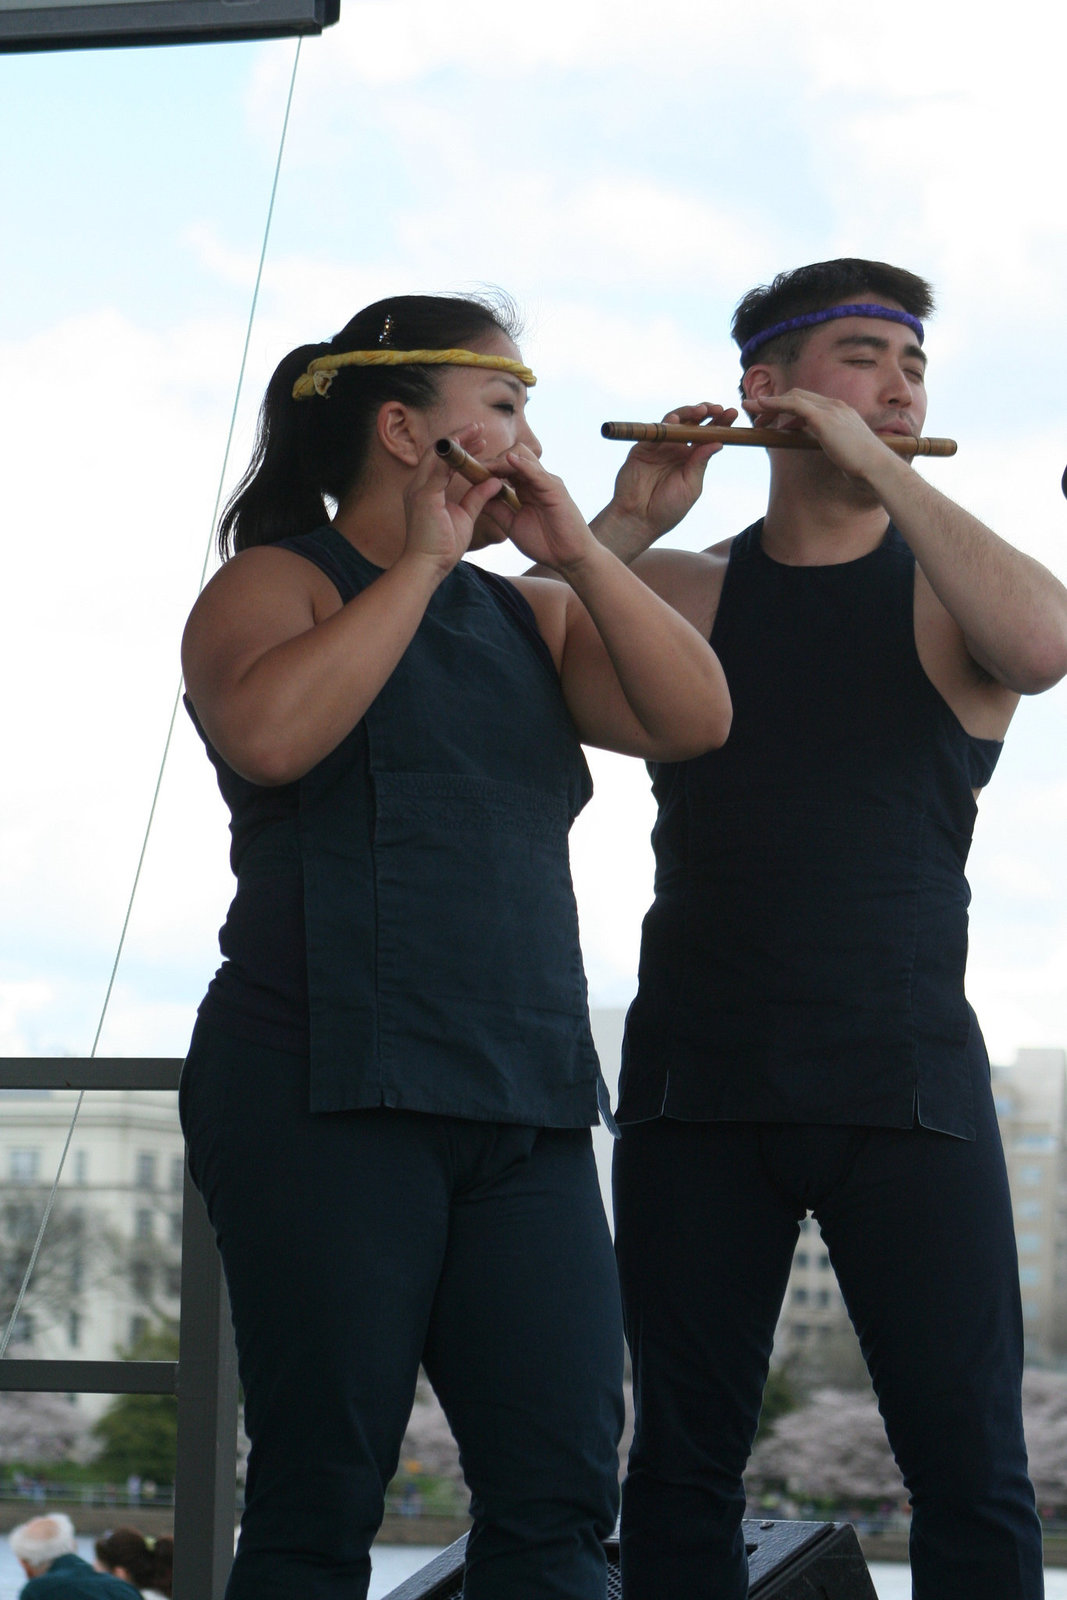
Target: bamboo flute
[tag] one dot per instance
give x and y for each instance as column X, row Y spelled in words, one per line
column 472, row 470
column 767, row 438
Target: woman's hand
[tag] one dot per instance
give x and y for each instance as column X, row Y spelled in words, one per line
column 440, row 529
column 280, row 672
column 549, row 529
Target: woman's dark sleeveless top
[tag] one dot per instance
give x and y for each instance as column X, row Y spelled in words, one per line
column 803, row 960
column 405, row 911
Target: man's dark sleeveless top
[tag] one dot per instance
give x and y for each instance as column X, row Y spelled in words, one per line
column 407, row 905
column 803, row 960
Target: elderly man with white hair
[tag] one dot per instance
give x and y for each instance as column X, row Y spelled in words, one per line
column 47, row 1552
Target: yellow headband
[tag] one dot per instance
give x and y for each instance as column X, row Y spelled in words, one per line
column 323, row 370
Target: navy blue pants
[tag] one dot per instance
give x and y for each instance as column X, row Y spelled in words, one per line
column 357, row 1244
column 919, row 1230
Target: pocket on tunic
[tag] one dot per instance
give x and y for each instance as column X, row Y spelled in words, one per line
column 475, row 902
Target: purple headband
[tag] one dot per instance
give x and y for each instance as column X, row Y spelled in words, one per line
column 812, row 318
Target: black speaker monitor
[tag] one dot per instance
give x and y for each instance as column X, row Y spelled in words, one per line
column 786, row 1561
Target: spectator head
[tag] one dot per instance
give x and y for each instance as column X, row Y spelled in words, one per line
column 38, row 1543
column 145, row 1562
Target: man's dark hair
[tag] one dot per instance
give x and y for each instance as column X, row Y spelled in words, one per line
column 814, row 288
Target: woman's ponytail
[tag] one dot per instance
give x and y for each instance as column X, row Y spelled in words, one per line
column 279, row 495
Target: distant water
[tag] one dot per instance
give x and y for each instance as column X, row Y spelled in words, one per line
column 395, row 1562
column 392, row 1564
column 892, row 1579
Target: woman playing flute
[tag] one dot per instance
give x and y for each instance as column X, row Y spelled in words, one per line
column 391, row 1082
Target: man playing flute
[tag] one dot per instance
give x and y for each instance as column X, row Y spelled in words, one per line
column 800, row 1041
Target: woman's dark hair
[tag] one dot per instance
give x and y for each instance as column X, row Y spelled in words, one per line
column 308, row 449
column 150, row 1563
column 814, row 288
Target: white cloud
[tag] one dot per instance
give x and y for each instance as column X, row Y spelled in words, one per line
column 380, row 44
column 436, row 148
column 611, row 860
column 1002, row 56
column 1022, row 878
column 19, row 1002
column 1021, row 1006
column 113, row 505
column 615, row 230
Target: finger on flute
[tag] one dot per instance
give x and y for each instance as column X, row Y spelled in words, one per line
column 473, row 471
column 764, row 438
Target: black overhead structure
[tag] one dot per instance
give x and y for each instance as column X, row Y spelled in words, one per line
column 96, row 24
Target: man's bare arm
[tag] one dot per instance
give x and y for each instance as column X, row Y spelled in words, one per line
column 1011, row 611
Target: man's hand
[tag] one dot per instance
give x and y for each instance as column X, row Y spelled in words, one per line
column 658, row 485
column 846, row 439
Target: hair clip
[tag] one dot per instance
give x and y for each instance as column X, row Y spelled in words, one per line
column 387, row 330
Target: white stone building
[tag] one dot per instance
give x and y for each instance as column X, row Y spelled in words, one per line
column 109, row 1267
column 1031, row 1101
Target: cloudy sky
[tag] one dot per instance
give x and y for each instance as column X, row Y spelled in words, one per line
column 626, row 175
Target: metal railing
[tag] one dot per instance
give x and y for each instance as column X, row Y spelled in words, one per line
column 204, row 1377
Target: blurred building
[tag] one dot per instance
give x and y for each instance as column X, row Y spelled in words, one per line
column 109, row 1268
column 1032, row 1110
column 814, row 1321
column 1031, row 1102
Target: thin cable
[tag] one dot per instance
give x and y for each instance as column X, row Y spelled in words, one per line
column 251, row 319
column 10, row 1328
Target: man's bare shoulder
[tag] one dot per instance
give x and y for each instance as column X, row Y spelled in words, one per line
column 720, row 553
column 689, row 580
